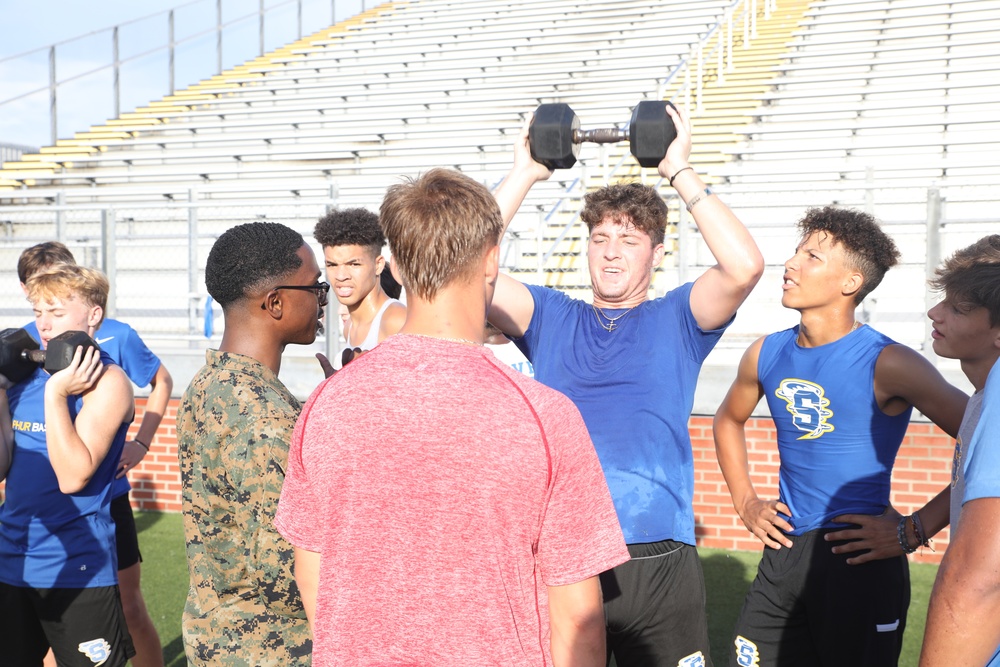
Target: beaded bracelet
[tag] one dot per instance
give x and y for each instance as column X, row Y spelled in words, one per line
column 918, row 530
column 901, row 536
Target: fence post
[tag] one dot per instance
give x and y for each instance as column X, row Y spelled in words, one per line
column 218, row 34
column 299, row 15
column 108, row 258
column 540, row 249
column 117, row 69
column 53, row 114
column 192, row 262
column 170, row 58
column 261, row 27
column 683, row 251
column 932, row 261
column 870, row 190
column 60, row 216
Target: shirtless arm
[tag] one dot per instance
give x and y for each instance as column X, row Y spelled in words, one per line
column 903, row 377
column 77, row 448
column 719, row 291
column 392, row 321
column 136, row 449
column 512, row 306
column 307, row 578
column 6, row 429
column 759, row 516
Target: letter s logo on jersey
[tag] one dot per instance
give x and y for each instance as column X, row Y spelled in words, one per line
column 98, row 650
column 807, row 405
column 746, row 652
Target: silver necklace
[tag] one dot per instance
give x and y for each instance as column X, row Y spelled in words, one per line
column 612, row 321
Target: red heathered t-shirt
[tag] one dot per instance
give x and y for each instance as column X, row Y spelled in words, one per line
column 444, row 491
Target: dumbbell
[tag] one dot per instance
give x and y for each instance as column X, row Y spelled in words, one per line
column 20, row 356
column 555, row 135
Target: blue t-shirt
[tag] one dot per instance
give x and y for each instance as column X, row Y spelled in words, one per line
column 837, row 447
column 51, row 539
column 982, row 461
column 634, row 387
column 126, row 348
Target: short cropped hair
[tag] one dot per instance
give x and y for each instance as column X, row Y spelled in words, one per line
column 67, row 281
column 250, row 258
column 351, row 226
column 439, row 226
column 627, row 203
column 867, row 248
column 971, row 277
column 42, row 256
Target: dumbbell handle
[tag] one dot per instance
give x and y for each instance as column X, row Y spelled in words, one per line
column 34, row 356
column 607, row 135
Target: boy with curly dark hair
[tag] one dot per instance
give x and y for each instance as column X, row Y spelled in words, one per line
column 352, row 241
column 840, row 394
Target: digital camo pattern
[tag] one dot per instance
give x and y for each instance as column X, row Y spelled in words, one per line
column 234, row 426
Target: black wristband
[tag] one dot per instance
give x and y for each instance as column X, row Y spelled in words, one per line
column 671, row 179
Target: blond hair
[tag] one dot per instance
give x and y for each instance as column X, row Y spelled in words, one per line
column 68, row 281
column 438, row 227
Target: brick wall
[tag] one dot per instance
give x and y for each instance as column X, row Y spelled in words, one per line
column 922, row 469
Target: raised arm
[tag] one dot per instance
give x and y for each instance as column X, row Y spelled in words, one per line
column 719, row 291
column 962, row 618
column 576, row 620
column 136, row 449
column 76, row 449
column 512, row 305
column 759, row 516
column 902, row 378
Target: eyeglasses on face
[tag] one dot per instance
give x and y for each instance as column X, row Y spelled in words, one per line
column 321, row 290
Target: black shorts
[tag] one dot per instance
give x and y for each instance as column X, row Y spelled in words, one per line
column 807, row 606
column 83, row 626
column 126, row 535
column 654, row 606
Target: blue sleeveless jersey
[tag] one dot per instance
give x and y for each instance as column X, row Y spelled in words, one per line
column 49, row 539
column 127, row 349
column 634, row 387
column 836, row 446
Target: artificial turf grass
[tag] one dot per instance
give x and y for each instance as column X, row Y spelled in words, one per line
column 728, row 575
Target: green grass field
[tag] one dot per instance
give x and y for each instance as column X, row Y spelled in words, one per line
column 727, row 577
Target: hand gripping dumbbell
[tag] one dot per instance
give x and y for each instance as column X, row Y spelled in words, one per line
column 20, row 356
column 555, row 135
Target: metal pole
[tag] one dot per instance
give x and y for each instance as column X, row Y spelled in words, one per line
column 261, row 11
column 53, row 112
column 683, row 251
column 192, row 262
column 719, row 72
column 701, row 69
column 108, row 263
column 60, row 216
column 170, row 39
column 117, row 72
column 933, row 259
column 298, row 9
column 540, row 249
column 333, row 12
column 870, row 190
column 218, row 34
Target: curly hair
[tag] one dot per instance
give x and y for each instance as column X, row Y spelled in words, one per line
column 867, row 248
column 352, row 226
column 249, row 258
column 42, row 256
column 971, row 277
column 632, row 203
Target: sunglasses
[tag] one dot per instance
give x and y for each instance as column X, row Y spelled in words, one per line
column 321, row 290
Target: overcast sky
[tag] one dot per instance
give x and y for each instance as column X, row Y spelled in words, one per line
column 82, row 31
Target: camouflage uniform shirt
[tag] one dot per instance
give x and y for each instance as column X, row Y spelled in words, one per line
column 233, row 429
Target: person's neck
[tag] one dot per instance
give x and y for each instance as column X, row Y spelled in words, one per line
column 978, row 370
column 455, row 314
column 822, row 326
column 363, row 312
column 241, row 337
column 626, row 302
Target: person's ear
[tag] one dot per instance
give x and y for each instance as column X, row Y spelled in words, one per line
column 491, row 264
column 853, row 282
column 272, row 304
column 379, row 264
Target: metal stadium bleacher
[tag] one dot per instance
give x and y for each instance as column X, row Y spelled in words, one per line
column 888, row 105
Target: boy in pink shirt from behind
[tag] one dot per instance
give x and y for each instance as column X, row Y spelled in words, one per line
column 460, row 517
